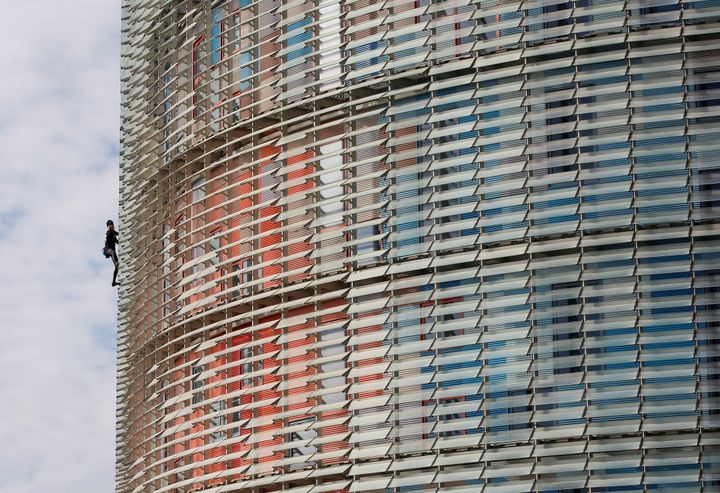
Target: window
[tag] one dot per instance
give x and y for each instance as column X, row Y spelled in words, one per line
column 217, row 420
column 198, row 190
column 198, row 397
column 452, row 416
column 331, row 160
column 367, row 247
column 216, row 33
column 215, row 246
column 330, row 69
column 167, row 105
column 180, row 475
column 248, row 366
column 197, row 253
column 302, row 435
column 198, row 70
column 334, row 382
column 243, row 278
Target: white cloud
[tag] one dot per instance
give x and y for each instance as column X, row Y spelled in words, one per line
column 59, row 120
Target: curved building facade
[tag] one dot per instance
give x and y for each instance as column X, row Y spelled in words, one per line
column 394, row 246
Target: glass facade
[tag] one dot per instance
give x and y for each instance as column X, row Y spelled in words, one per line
column 394, row 246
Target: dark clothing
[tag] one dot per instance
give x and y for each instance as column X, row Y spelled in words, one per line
column 115, row 261
column 109, row 251
column 111, row 239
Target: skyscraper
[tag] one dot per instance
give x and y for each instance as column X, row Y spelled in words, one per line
column 419, row 246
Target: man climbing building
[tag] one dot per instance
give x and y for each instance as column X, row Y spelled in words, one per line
column 109, row 249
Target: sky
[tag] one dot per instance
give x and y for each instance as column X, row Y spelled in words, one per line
column 59, row 131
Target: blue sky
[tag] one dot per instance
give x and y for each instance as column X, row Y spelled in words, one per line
column 59, row 126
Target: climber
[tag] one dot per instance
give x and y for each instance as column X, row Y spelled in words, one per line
column 109, row 249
